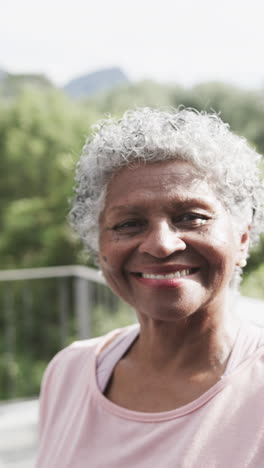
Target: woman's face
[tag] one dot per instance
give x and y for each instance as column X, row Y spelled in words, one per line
column 167, row 245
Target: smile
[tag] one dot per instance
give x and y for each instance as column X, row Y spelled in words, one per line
column 169, row 279
column 176, row 274
column 170, row 275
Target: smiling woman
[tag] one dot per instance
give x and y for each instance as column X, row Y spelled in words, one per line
column 169, row 235
column 169, row 203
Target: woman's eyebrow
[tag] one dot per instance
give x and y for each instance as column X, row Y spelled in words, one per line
column 133, row 209
column 203, row 202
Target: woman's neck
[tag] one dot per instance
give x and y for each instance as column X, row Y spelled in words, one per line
column 203, row 341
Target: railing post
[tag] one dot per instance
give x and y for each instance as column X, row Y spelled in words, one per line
column 63, row 311
column 82, row 299
column 10, row 342
column 27, row 307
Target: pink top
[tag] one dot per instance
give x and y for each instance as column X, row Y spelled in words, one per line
column 81, row 428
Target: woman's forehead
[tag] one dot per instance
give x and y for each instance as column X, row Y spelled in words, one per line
column 171, row 169
column 158, row 174
column 173, row 178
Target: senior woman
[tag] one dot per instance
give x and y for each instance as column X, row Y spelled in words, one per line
column 169, row 203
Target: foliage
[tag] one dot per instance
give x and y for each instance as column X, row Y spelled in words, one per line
column 104, row 322
column 35, row 327
column 145, row 93
column 253, row 283
column 11, row 85
column 41, row 135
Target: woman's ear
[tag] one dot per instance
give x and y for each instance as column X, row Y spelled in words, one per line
column 243, row 248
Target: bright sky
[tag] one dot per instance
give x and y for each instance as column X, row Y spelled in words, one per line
column 184, row 41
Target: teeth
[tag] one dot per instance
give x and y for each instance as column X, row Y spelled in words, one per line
column 176, row 274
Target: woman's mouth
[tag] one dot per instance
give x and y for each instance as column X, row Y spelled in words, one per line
column 169, row 279
column 175, row 274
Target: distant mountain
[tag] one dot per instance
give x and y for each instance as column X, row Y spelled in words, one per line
column 106, row 79
column 101, row 80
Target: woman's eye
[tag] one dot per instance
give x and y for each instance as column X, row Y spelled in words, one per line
column 128, row 226
column 194, row 219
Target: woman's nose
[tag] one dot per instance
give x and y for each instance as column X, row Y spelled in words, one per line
column 161, row 241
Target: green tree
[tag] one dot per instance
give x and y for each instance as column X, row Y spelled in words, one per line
column 41, row 135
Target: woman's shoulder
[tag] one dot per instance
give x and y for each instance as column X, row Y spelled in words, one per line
column 68, row 372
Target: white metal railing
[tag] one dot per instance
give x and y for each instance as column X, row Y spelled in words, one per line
column 44, row 309
column 78, row 271
column 81, row 286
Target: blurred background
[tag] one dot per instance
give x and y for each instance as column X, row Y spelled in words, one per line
column 63, row 66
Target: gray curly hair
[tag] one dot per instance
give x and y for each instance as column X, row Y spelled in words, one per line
column 147, row 135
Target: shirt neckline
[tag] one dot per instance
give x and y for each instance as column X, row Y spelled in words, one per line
column 148, row 416
column 232, row 370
